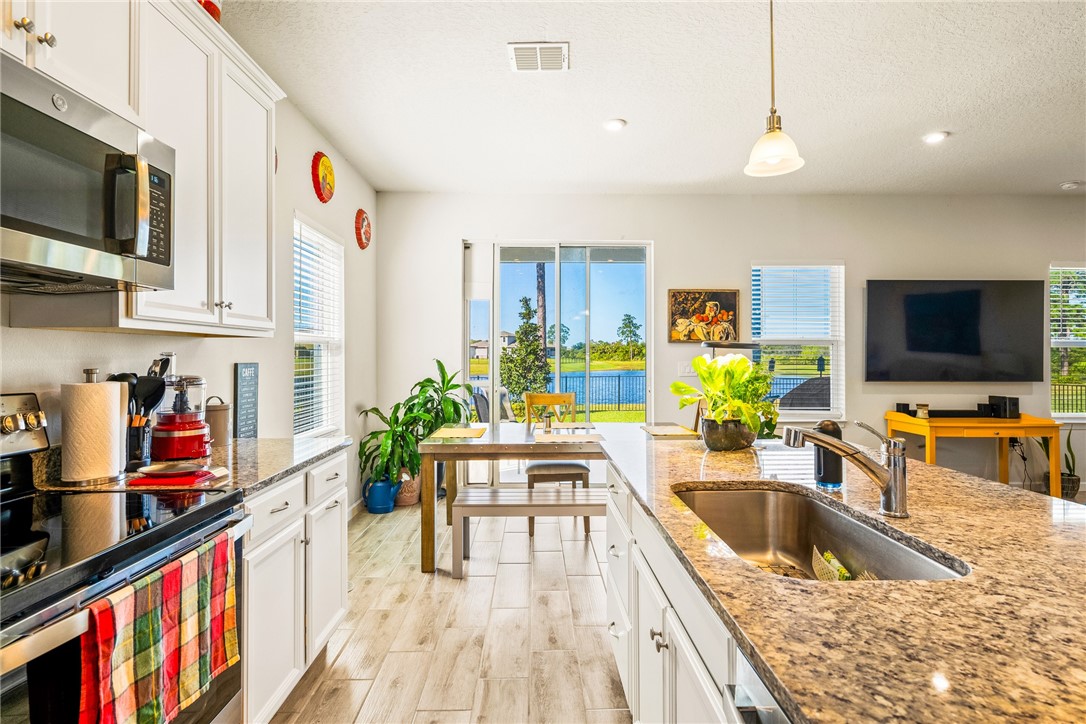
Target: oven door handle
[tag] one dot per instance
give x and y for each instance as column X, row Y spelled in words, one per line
column 43, row 640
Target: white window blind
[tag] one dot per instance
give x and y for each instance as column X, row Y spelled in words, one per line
column 798, row 318
column 318, row 333
column 1067, row 324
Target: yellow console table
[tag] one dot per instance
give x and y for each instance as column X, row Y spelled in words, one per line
column 933, row 428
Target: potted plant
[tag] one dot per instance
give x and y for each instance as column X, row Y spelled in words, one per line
column 438, row 402
column 1070, row 482
column 734, row 392
column 390, row 454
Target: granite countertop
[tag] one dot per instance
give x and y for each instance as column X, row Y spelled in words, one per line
column 1006, row 641
column 258, row 463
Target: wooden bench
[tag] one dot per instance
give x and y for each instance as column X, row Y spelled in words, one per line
column 496, row 502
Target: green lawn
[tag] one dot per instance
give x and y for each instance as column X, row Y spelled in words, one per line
column 619, row 416
column 482, row 366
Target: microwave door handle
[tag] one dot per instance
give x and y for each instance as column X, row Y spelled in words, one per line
column 143, row 208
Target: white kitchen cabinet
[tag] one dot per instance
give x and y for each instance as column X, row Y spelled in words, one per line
column 180, row 81
column 91, row 46
column 273, row 629
column 300, row 592
column 13, row 38
column 692, row 695
column 248, row 130
column 648, row 638
column 326, row 570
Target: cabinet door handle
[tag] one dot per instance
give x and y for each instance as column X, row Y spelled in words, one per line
column 281, row 508
column 660, row 644
column 613, row 550
column 653, row 633
column 612, row 488
column 229, row 305
column 218, row 305
column 305, row 542
column 330, row 478
column 48, row 39
column 333, row 504
column 611, row 630
column 24, row 24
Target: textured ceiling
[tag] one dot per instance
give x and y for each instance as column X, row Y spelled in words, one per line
column 420, row 97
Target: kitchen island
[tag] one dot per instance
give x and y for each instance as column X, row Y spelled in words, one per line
column 1005, row 641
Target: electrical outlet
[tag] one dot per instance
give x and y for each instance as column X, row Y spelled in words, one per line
column 686, row 370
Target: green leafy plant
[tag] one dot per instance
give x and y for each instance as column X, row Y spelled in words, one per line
column 1070, row 462
column 438, row 401
column 523, row 364
column 733, row 388
column 384, row 453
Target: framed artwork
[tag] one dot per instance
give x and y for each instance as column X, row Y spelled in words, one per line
column 363, row 230
column 701, row 315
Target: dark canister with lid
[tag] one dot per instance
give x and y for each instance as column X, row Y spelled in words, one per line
column 829, row 468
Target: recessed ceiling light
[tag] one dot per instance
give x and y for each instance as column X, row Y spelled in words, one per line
column 615, row 124
column 1070, row 185
column 937, row 137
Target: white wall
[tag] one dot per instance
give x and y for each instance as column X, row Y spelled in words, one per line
column 33, row 360
column 710, row 241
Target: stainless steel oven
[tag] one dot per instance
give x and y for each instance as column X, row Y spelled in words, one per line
column 86, row 197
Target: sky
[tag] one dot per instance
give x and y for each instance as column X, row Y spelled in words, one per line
column 616, row 288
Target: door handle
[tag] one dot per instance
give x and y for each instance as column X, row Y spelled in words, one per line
column 611, row 630
column 24, row 24
column 333, row 504
column 330, row 478
column 653, row 633
column 613, row 550
column 48, row 39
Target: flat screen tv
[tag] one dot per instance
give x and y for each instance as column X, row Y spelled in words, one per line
column 955, row 331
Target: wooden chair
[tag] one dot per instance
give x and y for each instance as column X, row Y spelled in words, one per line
column 564, row 407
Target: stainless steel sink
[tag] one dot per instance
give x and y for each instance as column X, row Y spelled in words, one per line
column 775, row 531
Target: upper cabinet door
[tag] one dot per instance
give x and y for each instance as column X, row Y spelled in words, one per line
column 91, row 47
column 13, row 37
column 247, row 193
column 178, row 100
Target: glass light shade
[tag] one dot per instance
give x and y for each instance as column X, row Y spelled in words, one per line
column 774, row 154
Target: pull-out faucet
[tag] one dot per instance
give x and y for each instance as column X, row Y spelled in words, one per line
column 888, row 475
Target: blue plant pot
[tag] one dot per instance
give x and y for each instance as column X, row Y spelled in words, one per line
column 380, row 496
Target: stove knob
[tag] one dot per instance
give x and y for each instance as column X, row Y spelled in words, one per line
column 11, row 424
column 35, row 420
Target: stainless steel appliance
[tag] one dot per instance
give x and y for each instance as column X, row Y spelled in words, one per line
column 64, row 550
column 87, row 202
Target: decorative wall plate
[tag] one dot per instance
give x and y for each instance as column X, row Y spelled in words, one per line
column 363, row 231
column 324, row 177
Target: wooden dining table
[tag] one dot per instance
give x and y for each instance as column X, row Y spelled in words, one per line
column 500, row 441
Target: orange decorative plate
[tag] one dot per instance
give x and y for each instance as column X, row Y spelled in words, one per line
column 363, row 232
column 324, row 177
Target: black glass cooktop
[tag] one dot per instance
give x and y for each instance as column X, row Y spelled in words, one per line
column 54, row 543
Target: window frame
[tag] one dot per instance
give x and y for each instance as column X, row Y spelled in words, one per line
column 333, row 416
column 835, row 341
column 1055, row 343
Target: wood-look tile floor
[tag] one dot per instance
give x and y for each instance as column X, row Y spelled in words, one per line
column 521, row 638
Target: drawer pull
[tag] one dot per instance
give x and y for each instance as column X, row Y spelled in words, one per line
column 330, row 478
column 611, row 630
column 333, row 504
column 281, row 508
column 613, row 550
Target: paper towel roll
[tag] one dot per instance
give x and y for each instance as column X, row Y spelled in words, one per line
column 91, row 428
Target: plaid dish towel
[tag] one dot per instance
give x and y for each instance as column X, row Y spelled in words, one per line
column 152, row 648
column 209, row 634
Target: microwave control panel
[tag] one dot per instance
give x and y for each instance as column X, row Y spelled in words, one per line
column 158, row 247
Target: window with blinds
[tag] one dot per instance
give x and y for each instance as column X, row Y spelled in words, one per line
column 798, row 318
column 1067, row 324
column 318, row 333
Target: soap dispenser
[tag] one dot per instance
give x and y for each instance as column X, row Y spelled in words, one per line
column 829, row 468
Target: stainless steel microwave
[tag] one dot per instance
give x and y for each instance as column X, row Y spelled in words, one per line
column 86, row 197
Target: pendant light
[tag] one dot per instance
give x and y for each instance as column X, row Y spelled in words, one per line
column 774, row 154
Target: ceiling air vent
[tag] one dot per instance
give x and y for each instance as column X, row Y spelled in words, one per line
column 538, row 56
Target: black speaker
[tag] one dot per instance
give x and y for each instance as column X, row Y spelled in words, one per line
column 902, row 407
column 1004, row 407
column 985, row 409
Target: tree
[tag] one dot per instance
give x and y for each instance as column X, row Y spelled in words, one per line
column 565, row 335
column 629, row 332
column 523, row 366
